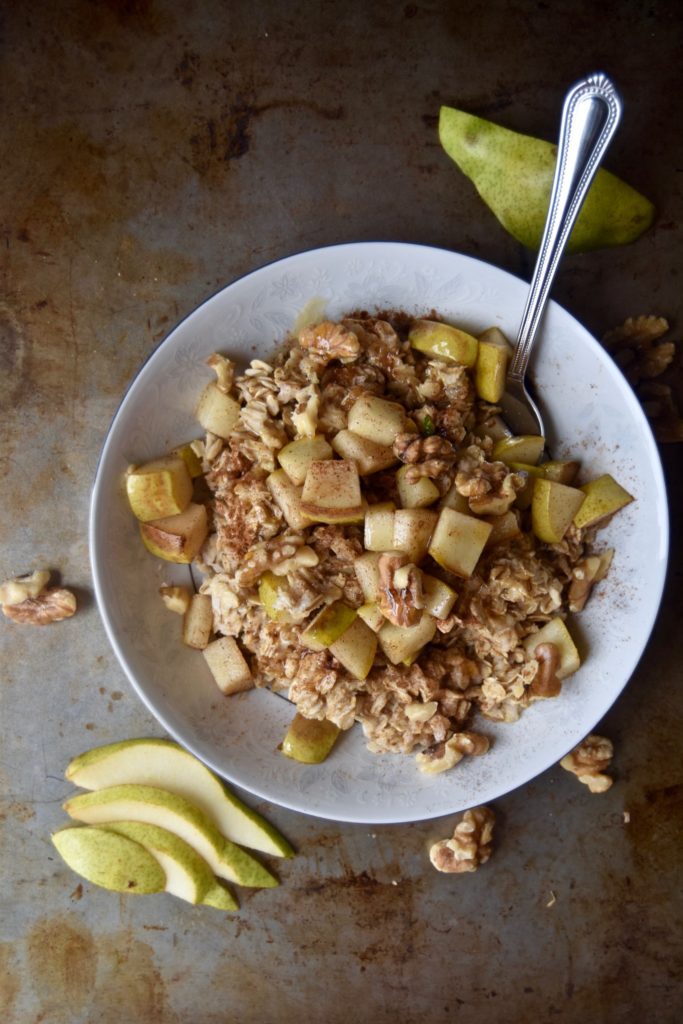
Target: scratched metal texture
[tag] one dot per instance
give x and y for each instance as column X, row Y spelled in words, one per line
column 152, row 151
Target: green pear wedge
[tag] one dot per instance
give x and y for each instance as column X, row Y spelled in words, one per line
column 177, row 815
column 188, row 876
column 220, row 897
column 111, row 861
column 163, row 763
column 513, row 174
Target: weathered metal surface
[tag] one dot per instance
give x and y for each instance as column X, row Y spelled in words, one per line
column 152, row 151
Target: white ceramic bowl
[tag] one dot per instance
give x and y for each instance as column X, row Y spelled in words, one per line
column 594, row 416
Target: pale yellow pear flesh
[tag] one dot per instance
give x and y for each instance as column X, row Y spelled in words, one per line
column 458, row 541
column 160, row 488
column 272, row 593
column 523, row 448
column 368, row 456
column 177, row 538
column 356, row 648
column 328, row 626
column 413, row 529
column 188, row 876
column 379, row 526
column 331, row 492
column 402, row 644
column 166, row 765
column 111, row 861
column 604, row 497
column 135, row 802
column 288, row 497
column 513, row 174
column 490, row 371
column 443, row 341
column 217, row 412
column 296, row 457
column 438, row 597
column 189, row 456
column 309, row 740
column 555, row 632
column 420, row 494
column 376, row 419
column 553, row 507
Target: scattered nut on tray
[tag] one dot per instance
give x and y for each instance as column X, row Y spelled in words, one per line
column 28, row 600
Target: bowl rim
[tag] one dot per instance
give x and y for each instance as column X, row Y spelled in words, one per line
column 99, row 485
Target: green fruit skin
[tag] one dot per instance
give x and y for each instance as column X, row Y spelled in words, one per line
column 109, row 860
column 513, row 174
column 309, row 740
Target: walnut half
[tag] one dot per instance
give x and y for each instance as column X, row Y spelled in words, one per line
column 470, row 845
column 588, row 762
column 51, row 605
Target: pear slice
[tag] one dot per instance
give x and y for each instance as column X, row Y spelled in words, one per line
column 525, row 448
column 458, row 541
column 331, row 492
column 288, row 496
column 309, row 740
column 188, row 876
column 217, row 412
column 220, row 897
column 159, row 488
column 604, row 497
column 198, row 622
column 553, row 506
column 109, row 860
column 327, row 626
column 356, row 648
column 376, row 419
column 454, row 499
column 228, row 666
column 503, row 528
column 443, row 341
column 513, row 174
column 189, row 456
column 134, row 802
column 176, row 538
column 296, row 457
column 368, row 456
column 273, row 592
column 413, row 528
column 490, row 372
column 418, row 495
column 166, row 765
column 366, row 568
column 372, row 616
column 438, row 597
column 379, row 527
column 403, row 643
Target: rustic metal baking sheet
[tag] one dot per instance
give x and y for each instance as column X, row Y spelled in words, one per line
column 152, row 151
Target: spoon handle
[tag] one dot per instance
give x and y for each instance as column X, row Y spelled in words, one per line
column 590, row 115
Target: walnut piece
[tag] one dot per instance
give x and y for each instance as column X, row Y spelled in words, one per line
column 426, row 456
column 634, row 350
column 51, row 605
column 443, row 756
column 588, row 761
column 21, row 588
column 176, row 599
column 224, row 370
column 490, row 487
column 400, row 599
column 328, row 341
column 280, row 555
column 470, row 845
column 545, row 683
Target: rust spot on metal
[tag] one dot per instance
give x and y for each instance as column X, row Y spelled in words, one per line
column 62, row 961
column 9, row 983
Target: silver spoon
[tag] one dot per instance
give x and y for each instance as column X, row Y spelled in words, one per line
column 590, row 115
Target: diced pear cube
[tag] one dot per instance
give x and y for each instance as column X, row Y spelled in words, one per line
column 273, row 593
column 176, row 538
column 189, row 456
column 331, row 492
column 228, row 665
column 159, row 488
column 561, row 470
column 604, row 497
column 297, row 456
column 327, row 626
column 553, row 506
column 217, row 412
column 438, row 597
column 376, row 419
column 525, row 448
column 555, row 632
column 367, row 572
column 288, row 498
column 443, row 341
column 369, row 456
column 403, row 643
column 379, row 527
column 413, row 528
column 198, row 622
column 356, row 648
column 418, row 495
column 371, row 616
column 458, row 541
column 309, row 740
column 503, row 528
column 492, row 362
column 453, row 499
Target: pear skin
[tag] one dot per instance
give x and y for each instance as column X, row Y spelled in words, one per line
column 513, row 174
